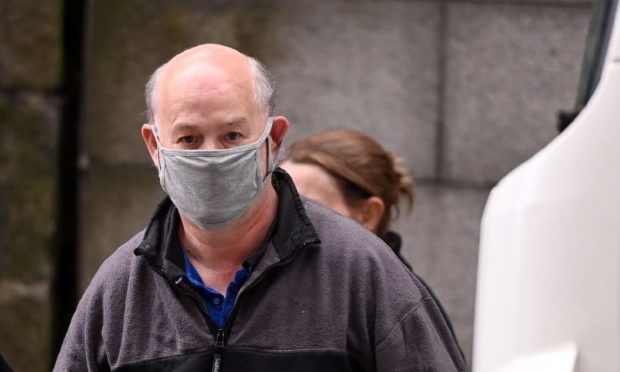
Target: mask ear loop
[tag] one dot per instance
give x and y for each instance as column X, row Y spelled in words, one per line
column 160, row 158
column 270, row 162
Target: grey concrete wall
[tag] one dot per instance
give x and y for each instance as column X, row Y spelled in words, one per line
column 29, row 77
column 509, row 70
column 462, row 91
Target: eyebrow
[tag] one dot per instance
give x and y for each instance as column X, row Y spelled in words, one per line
column 182, row 126
column 229, row 123
column 237, row 121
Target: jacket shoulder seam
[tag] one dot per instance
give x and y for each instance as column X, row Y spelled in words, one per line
column 406, row 315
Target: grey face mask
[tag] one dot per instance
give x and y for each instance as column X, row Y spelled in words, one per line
column 214, row 187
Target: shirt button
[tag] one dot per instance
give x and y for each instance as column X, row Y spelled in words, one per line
column 216, row 301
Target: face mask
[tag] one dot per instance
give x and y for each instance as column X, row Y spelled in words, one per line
column 214, row 187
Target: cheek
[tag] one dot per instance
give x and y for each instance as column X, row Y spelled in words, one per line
column 314, row 183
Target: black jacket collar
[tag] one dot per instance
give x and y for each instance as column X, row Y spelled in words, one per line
column 394, row 241
column 292, row 230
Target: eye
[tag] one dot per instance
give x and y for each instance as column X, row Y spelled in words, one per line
column 187, row 140
column 233, row 136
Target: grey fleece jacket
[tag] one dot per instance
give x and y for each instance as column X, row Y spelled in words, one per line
column 327, row 295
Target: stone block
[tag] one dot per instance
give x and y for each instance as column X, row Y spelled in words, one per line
column 30, row 43
column 27, row 185
column 440, row 240
column 510, row 69
column 24, row 326
column 27, row 193
column 363, row 65
column 116, row 203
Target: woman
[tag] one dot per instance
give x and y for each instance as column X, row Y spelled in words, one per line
column 351, row 173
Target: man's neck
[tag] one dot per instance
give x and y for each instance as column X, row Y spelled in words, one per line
column 224, row 250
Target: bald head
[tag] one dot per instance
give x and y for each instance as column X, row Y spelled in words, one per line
column 206, row 68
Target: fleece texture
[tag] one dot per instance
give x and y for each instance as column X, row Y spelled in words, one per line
column 327, row 295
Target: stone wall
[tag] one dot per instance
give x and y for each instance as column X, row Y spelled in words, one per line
column 462, row 91
column 29, row 77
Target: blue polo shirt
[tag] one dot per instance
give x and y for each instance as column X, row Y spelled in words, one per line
column 218, row 306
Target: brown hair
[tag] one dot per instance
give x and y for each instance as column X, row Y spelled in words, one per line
column 361, row 167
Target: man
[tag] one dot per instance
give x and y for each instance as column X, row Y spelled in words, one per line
column 235, row 272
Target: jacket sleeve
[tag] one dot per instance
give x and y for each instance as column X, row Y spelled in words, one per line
column 82, row 349
column 420, row 341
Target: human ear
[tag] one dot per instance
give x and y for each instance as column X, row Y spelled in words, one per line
column 369, row 213
column 151, row 143
column 279, row 128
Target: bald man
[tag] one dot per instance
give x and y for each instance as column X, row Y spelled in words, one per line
column 234, row 271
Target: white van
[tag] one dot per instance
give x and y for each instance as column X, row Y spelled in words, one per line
column 548, row 295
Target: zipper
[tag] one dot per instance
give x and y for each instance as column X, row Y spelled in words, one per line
column 219, row 348
column 221, row 334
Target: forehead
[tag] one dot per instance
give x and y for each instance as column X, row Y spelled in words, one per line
column 204, row 83
column 202, row 88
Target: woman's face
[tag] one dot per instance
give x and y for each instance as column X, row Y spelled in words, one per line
column 315, row 183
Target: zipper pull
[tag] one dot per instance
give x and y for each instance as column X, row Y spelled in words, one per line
column 219, row 347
